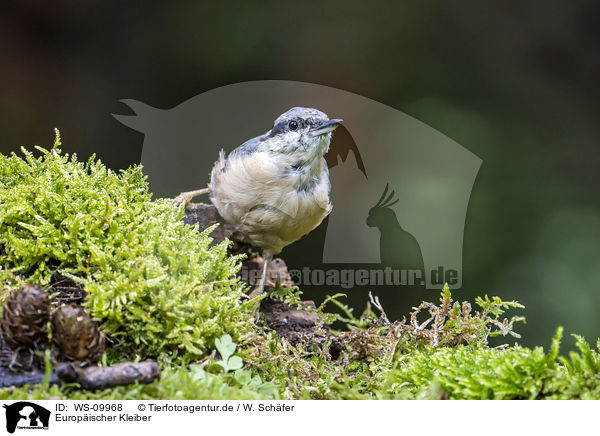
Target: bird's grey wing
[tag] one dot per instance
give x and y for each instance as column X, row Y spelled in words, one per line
column 248, row 147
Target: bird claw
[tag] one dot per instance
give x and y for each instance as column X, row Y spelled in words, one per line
column 185, row 198
column 257, row 292
column 181, row 200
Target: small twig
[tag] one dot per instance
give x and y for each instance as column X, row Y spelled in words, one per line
column 377, row 304
column 98, row 378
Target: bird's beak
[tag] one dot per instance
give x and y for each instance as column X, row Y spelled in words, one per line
column 325, row 127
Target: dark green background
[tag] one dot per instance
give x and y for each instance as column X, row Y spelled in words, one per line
column 514, row 82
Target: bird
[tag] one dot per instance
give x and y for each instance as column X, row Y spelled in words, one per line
column 397, row 247
column 274, row 188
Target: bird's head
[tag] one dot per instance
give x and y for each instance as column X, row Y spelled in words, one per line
column 382, row 212
column 302, row 130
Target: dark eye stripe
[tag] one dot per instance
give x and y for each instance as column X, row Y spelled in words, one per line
column 282, row 126
column 277, row 129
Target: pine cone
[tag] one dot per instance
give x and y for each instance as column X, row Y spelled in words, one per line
column 76, row 335
column 24, row 318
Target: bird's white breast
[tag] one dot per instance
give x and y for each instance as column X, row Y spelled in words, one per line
column 269, row 200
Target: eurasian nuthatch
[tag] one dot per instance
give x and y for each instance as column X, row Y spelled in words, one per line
column 275, row 188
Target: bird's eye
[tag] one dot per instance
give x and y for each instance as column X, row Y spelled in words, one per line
column 293, row 125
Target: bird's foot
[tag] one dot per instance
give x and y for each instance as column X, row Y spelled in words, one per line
column 182, row 200
column 257, row 292
column 185, row 198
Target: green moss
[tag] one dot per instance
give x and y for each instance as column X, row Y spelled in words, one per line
column 174, row 384
column 161, row 291
column 511, row 373
column 158, row 286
